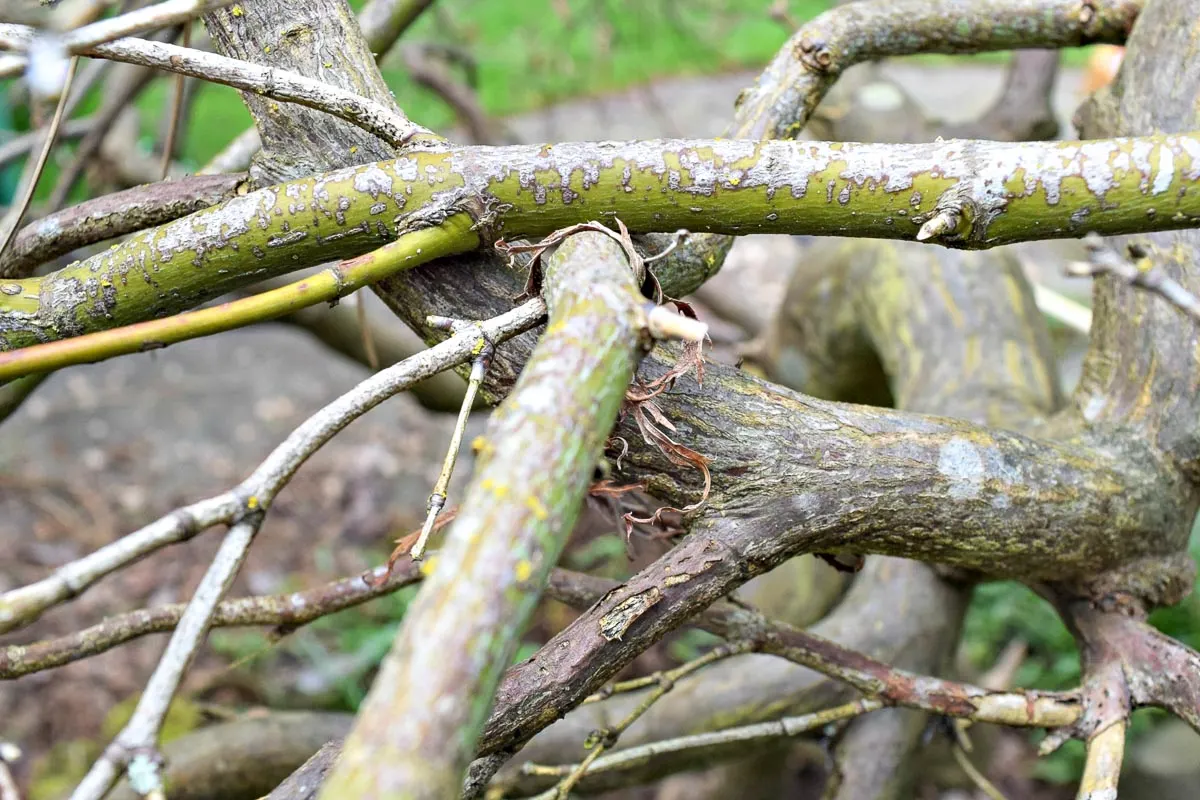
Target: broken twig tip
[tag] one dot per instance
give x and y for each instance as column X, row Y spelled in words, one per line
column 664, row 323
column 941, row 223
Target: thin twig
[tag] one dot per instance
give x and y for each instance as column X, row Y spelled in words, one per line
column 135, row 745
column 81, row 40
column 9, row 753
column 1142, row 272
column 364, row 328
column 479, row 367
column 978, row 778
column 284, row 611
column 785, row 728
column 1059, row 307
column 21, row 606
column 663, row 682
column 386, row 123
column 411, row 250
column 47, row 146
column 176, row 111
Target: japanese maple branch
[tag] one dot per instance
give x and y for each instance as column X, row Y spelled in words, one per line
column 959, row 193
column 386, row 123
column 21, row 606
column 533, row 468
column 111, row 216
column 792, row 86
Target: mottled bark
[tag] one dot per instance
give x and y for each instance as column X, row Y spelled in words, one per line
column 534, row 465
column 111, row 216
column 318, row 40
column 791, row 87
column 991, row 193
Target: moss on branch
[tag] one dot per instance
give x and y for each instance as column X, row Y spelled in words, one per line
column 986, row 194
column 534, row 465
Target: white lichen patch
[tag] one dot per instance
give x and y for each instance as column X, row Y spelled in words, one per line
column 961, row 464
column 374, row 181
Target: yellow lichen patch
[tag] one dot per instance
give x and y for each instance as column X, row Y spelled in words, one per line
column 252, row 502
column 479, row 445
column 524, row 570
column 535, row 505
column 427, row 566
column 236, row 11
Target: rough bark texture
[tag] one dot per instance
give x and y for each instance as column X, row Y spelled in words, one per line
column 534, row 465
column 998, row 194
column 317, row 40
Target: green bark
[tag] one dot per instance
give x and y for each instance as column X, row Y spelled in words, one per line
column 534, row 465
column 1001, row 193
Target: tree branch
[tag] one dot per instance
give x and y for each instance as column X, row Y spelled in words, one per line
column 534, row 465
column 135, row 744
column 790, row 88
column 976, row 194
column 21, row 606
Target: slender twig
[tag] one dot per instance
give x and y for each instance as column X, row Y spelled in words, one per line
column 14, row 393
column 18, row 146
column 21, row 606
column 135, row 745
column 285, row 611
column 386, row 123
column 364, row 327
column 479, row 367
column 176, row 110
column 663, row 682
column 978, row 778
column 411, row 250
column 1059, row 307
column 81, row 40
column 1142, row 272
column 383, row 22
column 8, row 785
column 14, row 218
column 764, row 732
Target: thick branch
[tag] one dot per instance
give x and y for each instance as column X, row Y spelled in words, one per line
column 535, row 463
column 794, row 83
column 974, row 194
column 111, row 216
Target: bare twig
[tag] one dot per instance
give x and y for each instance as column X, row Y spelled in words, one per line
column 978, row 778
column 176, row 115
column 479, row 367
column 386, row 123
column 8, row 786
column 135, row 746
column 285, row 612
column 81, row 40
column 763, row 732
column 14, row 217
column 21, row 606
column 1059, row 307
column 1140, row 271
column 365, row 333
column 663, row 682
column 383, row 22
